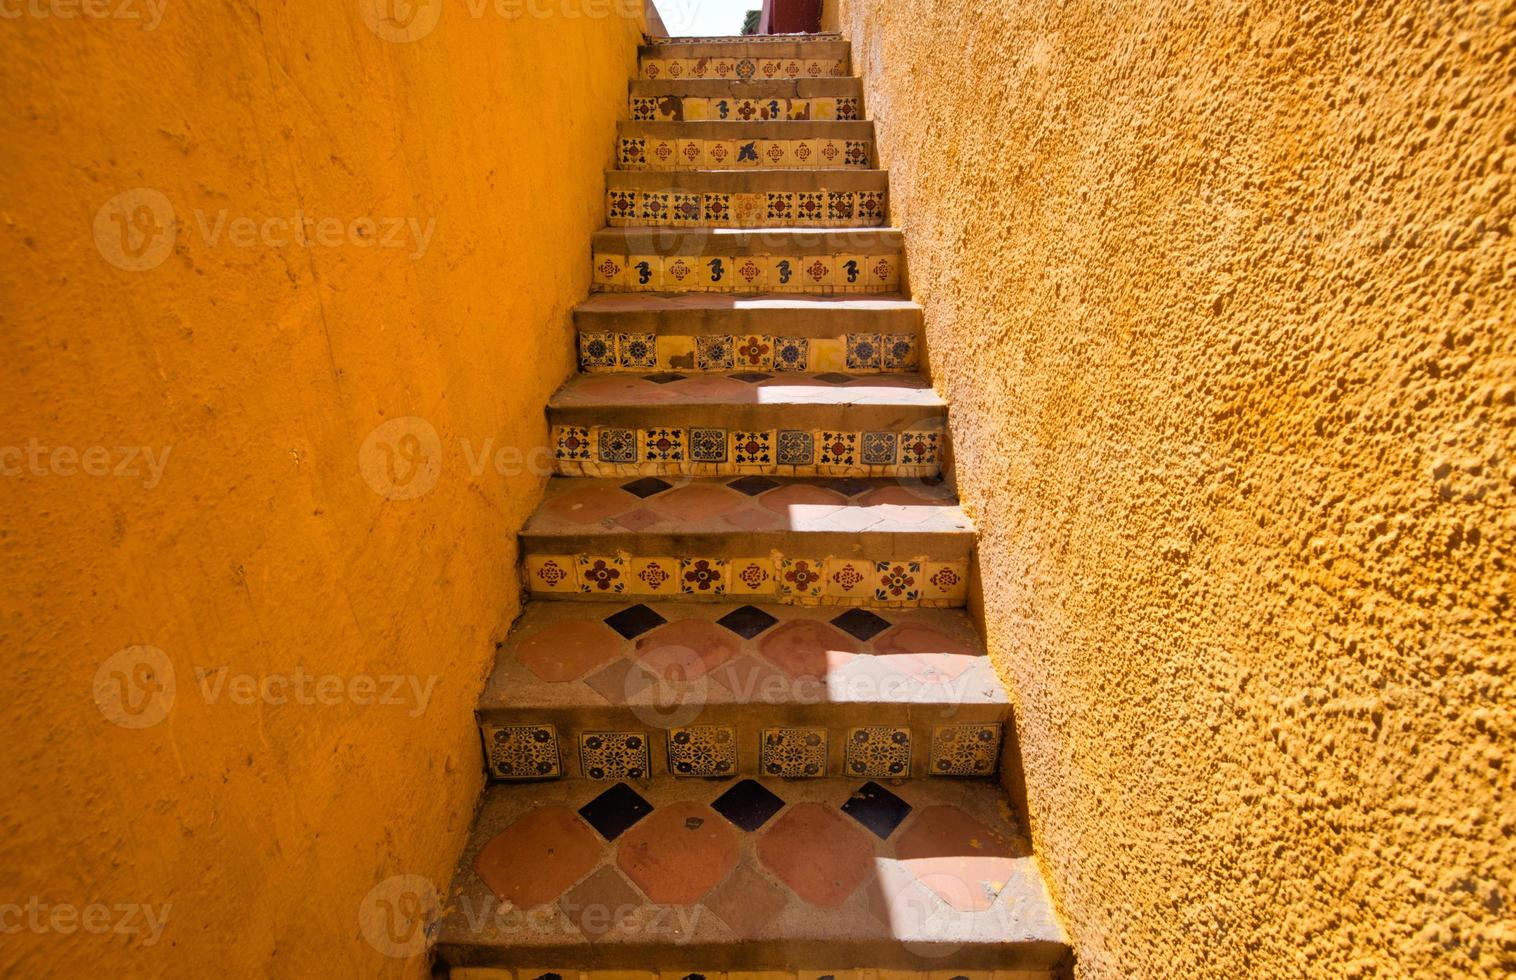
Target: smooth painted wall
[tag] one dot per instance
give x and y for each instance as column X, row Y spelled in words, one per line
column 1221, row 296
column 339, row 416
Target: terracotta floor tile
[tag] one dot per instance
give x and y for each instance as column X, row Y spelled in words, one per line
column 597, row 904
column 806, row 648
column 566, row 651
column 697, row 501
column 804, row 498
column 686, row 649
column 822, row 855
column 965, row 862
column 748, row 902
column 753, row 519
column 679, row 853
column 539, row 856
column 926, row 653
column 589, row 505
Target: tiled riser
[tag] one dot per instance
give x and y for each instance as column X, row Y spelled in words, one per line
column 856, row 353
column 743, row 69
column 543, row 750
column 807, row 581
column 610, row 451
column 689, row 108
column 825, row 274
column 769, row 209
column 670, row 153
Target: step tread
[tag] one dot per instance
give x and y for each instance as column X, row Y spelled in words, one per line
column 605, row 508
column 630, row 391
column 706, row 302
column 577, row 656
column 899, row 879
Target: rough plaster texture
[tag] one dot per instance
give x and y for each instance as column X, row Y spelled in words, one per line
column 1221, row 297
column 261, row 369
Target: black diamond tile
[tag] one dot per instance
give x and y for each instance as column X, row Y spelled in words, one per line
column 663, row 378
column 877, row 809
column 748, row 804
column 861, row 623
column 615, row 810
column 748, row 621
column 646, row 487
column 753, row 485
column 850, row 486
column 834, row 378
column 633, row 621
column 752, row 377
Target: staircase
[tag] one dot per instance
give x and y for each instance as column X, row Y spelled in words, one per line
column 744, row 725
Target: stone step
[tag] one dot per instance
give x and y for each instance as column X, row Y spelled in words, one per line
column 576, row 880
column 861, row 353
column 745, row 59
column 620, row 690
column 784, row 316
column 694, row 100
column 711, row 424
column 805, row 541
column 746, row 198
column 765, row 145
column 746, row 260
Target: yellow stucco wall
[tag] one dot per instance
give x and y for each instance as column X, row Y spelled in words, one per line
column 288, row 530
column 1222, row 297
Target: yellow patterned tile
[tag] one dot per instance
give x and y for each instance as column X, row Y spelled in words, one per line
column 602, row 574
column 610, row 270
column 702, row 576
column 654, row 68
column 945, row 580
column 784, row 273
column 751, row 273
column 676, row 353
column 827, row 354
column 552, row 573
column 720, row 154
column 644, row 273
column 749, row 156
column 662, row 154
column 818, row 272
column 801, row 578
column 717, row 273
column 678, row 67
column 884, row 272
column 681, row 273
column 830, row 154
column 817, row 69
column 804, row 153
column 753, row 352
column 849, row 578
column 696, row 110
column 852, row 273
column 775, row 153
column 799, row 110
column 751, row 576
column 654, row 576
column 748, row 210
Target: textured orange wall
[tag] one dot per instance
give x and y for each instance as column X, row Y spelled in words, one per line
column 260, row 366
column 1221, row 294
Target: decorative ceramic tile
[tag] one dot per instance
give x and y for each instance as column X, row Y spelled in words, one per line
column 654, row 576
column 879, row 810
column 610, row 270
column 644, row 108
column 861, row 624
column 748, row 805
column 621, row 204
column 523, row 751
column 772, row 110
column 794, row 752
column 652, row 68
column 654, row 207
column 552, row 573
column 633, row 621
column 703, row 751
column 751, row 576
column 702, row 576
column 720, row 154
column 690, row 154
column 754, row 351
column 918, row 448
column 965, row 750
column 681, row 272
column 849, row 578
column 717, row 207
column 662, row 154
column 599, row 575
column 616, row 445
column 839, row 205
column 779, row 206
column 879, row 449
column 803, row 153
column 631, row 154
column 857, row 153
column 707, row 445
column 713, row 352
column 597, row 350
column 663, row 445
column 879, row 752
column 799, row 110
column 613, row 755
column 747, row 154
column 801, row 578
column 830, row 154
column 612, row 814
column 637, row 350
column 750, row 273
column 571, row 442
column 897, row 581
column 944, row 581
column 695, row 109
column 899, row 351
column 752, row 448
column 716, row 273
column 871, row 205
column 796, row 448
column 816, row 272
column 838, row 449
column 810, row 206
column 688, row 209
column 863, row 353
column 775, row 153
column 847, row 107
column 748, row 209
column 791, row 353
column 884, row 271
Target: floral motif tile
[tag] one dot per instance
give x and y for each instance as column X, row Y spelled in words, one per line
column 752, row 448
column 918, row 448
column 899, row 351
column 681, row 272
column 796, row 448
column 802, row 153
column 750, row 273
column 847, row 107
column 717, row 207
column 552, row 573
column 615, row 445
column 816, row 272
column 791, row 353
column 637, row 350
column 801, row 578
column 597, row 350
column 708, row 445
column 810, row 206
column 622, row 204
column 849, row 578
column 571, row 442
column 838, row 449
column 688, row 209
column 631, row 154
column 602, row 575
column 879, row 448
column 794, row 753
column 871, row 205
column 523, row 751
column 779, row 206
column 702, row 576
column 754, row 351
column 879, row 752
column 857, row 153
column 613, row 755
column 654, row 576
column 703, row 751
column 609, row 270
column 644, row 109
column 714, row 352
column 751, row 576
column 863, row 353
column 662, row 445
column 884, row 271
column 965, row 750
column 897, row 581
column 944, row 581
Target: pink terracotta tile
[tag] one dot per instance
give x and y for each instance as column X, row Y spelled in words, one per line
column 925, row 652
column 697, row 501
column 753, row 519
column 640, row 519
column 600, row 903
column 955, row 855
column 820, row 854
column 567, row 651
column 807, row 648
column 539, row 856
column 588, row 505
column 803, row 501
column 679, row 853
column 748, row 902
column 686, row 650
